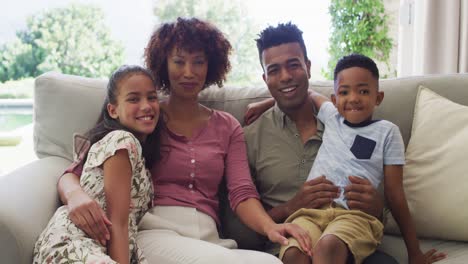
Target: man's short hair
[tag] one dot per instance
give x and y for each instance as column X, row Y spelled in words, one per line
column 281, row 34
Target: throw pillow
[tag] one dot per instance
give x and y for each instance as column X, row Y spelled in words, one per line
column 435, row 177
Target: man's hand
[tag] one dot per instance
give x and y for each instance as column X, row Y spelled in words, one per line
column 361, row 195
column 85, row 213
column 313, row 194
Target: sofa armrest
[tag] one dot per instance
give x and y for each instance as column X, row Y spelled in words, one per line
column 28, row 198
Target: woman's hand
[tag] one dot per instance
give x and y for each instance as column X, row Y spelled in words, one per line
column 278, row 232
column 85, row 213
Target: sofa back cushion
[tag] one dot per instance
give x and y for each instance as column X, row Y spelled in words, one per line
column 67, row 104
column 63, row 105
column 400, row 97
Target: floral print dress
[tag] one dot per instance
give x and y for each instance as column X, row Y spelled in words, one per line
column 63, row 242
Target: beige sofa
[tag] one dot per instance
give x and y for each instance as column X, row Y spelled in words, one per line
column 66, row 104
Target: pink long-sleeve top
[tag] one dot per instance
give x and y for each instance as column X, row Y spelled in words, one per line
column 191, row 169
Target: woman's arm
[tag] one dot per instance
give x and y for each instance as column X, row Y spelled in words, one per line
column 84, row 212
column 252, row 213
column 243, row 196
column 68, row 184
column 117, row 188
column 395, row 195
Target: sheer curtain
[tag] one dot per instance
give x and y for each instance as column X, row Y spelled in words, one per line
column 433, row 37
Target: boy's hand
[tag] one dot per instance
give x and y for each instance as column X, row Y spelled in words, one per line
column 361, row 195
column 430, row 256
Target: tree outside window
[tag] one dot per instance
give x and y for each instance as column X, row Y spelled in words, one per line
column 358, row 26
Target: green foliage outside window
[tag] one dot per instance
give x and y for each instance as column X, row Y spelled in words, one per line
column 72, row 40
column 233, row 20
column 358, row 26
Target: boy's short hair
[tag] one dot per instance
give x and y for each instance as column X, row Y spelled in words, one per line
column 281, row 34
column 356, row 60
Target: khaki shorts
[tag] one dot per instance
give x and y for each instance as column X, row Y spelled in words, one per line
column 361, row 232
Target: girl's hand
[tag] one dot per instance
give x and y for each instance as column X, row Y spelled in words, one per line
column 85, row 213
column 430, row 256
column 278, row 232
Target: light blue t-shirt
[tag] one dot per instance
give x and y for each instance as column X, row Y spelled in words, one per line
column 358, row 150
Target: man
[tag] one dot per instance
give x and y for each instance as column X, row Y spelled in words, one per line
column 283, row 142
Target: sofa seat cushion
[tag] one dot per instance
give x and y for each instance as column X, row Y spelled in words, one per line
column 457, row 252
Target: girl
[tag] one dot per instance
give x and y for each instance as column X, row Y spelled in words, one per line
column 124, row 144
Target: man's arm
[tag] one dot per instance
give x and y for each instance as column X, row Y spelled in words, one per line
column 313, row 194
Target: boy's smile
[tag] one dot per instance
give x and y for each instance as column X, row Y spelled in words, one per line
column 356, row 94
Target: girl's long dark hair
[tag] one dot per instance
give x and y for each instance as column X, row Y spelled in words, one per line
column 106, row 124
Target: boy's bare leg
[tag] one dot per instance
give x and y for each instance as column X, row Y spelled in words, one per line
column 330, row 249
column 294, row 256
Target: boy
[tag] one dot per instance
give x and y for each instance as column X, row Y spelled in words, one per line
column 354, row 144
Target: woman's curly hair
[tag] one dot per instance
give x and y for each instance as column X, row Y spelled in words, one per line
column 190, row 34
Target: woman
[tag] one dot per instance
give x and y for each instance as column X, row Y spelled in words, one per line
column 200, row 148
